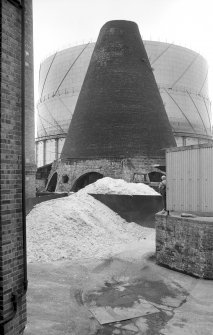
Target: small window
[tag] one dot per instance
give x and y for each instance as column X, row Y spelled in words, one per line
column 65, row 179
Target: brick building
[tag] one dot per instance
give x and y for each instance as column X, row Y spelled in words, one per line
column 119, row 127
column 17, row 133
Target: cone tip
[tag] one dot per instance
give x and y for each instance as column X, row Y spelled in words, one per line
column 119, row 24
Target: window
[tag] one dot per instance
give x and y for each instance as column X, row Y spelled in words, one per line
column 65, row 179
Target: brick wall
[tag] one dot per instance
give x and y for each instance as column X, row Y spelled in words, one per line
column 185, row 244
column 115, row 168
column 11, row 197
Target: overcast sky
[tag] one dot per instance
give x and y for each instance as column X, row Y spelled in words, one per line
column 62, row 23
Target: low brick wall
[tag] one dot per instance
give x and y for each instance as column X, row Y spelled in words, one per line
column 185, row 244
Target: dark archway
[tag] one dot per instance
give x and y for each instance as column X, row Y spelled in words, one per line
column 155, row 176
column 52, row 183
column 85, row 180
column 155, row 179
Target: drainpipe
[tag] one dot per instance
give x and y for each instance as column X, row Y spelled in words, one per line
column 16, row 297
column 25, row 282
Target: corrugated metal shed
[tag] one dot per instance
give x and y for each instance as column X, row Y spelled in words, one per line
column 190, row 178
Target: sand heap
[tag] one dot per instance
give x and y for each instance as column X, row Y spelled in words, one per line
column 78, row 226
column 109, row 185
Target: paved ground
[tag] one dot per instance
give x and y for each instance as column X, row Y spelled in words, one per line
column 128, row 291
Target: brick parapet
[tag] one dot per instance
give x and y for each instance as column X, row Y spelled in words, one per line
column 185, row 244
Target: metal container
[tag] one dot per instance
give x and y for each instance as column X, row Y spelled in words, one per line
column 140, row 209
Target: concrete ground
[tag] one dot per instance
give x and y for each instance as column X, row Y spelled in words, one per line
column 125, row 294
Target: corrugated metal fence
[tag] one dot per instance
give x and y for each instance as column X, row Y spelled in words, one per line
column 190, row 178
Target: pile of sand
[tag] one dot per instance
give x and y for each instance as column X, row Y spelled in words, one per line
column 109, row 185
column 79, row 226
column 76, row 227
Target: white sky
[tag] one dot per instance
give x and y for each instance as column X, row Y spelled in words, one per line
column 61, row 23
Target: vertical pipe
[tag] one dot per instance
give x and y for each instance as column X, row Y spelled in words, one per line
column 25, row 283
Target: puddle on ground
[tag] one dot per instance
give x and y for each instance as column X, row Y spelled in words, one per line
column 164, row 297
column 116, row 294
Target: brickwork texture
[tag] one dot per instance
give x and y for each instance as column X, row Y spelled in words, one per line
column 127, row 169
column 11, row 173
column 185, row 244
column 119, row 126
column 119, row 112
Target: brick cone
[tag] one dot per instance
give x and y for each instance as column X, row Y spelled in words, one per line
column 119, row 112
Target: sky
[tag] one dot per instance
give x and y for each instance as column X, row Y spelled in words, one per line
column 62, row 23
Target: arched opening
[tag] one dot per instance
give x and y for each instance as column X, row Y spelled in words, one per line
column 52, row 183
column 155, row 177
column 85, row 180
